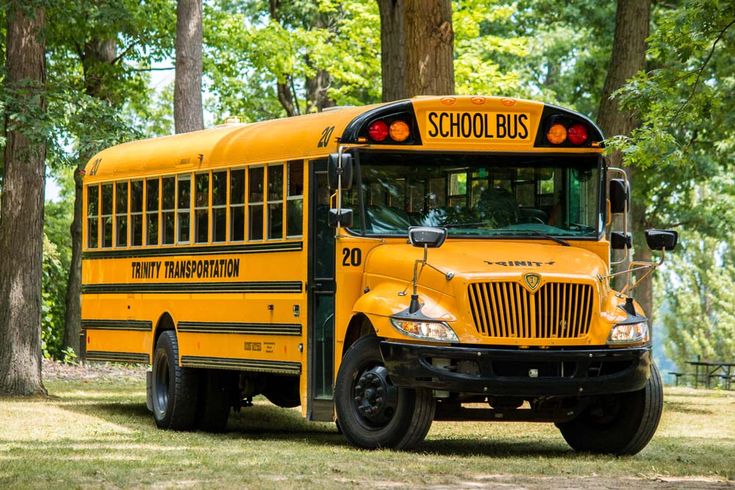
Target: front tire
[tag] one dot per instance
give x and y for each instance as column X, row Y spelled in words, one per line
column 373, row 413
column 618, row 424
column 175, row 389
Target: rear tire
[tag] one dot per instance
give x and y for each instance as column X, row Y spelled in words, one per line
column 175, row 389
column 218, row 394
column 373, row 413
column 618, row 424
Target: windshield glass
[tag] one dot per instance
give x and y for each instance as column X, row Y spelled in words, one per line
column 478, row 195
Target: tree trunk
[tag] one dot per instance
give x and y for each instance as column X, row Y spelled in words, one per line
column 417, row 48
column 632, row 22
column 97, row 56
column 188, row 113
column 429, row 47
column 392, row 49
column 21, row 209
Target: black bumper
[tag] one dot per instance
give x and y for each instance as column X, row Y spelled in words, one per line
column 516, row 372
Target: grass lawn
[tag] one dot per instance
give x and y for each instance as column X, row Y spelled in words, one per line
column 97, row 433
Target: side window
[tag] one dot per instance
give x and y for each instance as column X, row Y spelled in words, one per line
column 136, row 213
column 275, row 201
column 237, row 205
column 93, row 220
column 295, row 199
column 107, row 215
column 121, row 214
column 219, row 206
column 255, row 203
column 183, row 208
column 201, row 208
column 168, row 210
column 151, row 211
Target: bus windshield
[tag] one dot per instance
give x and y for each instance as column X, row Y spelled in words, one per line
column 478, row 195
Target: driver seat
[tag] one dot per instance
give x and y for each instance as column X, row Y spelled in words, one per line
column 499, row 207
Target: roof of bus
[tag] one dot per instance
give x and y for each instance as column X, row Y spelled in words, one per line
column 262, row 142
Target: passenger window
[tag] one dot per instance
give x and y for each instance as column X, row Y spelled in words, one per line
column 151, row 211
column 93, row 218
column 121, row 214
column 255, row 203
column 275, row 201
column 201, row 208
column 168, row 201
column 219, row 206
column 295, row 199
column 107, row 215
column 136, row 213
column 237, row 205
column 183, row 208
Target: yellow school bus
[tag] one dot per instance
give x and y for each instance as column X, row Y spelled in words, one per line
column 378, row 266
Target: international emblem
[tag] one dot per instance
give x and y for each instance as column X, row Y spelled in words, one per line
column 532, row 281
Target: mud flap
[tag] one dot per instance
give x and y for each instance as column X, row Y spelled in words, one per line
column 149, row 390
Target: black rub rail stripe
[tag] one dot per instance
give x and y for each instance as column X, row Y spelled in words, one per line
column 116, row 357
column 141, row 325
column 196, row 287
column 201, row 250
column 256, row 365
column 241, row 328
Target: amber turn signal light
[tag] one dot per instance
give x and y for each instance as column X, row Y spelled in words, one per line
column 399, row 131
column 557, row 134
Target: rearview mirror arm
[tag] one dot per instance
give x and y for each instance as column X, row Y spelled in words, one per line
column 638, row 266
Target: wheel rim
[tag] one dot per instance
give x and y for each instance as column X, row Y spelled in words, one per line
column 160, row 384
column 374, row 398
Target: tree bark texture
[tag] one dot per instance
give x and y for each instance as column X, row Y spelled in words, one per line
column 429, row 47
column 417, row 48
column 632, row 21
column 97, row 58
column 392, row 49
column 188, row 112
column 21, row 209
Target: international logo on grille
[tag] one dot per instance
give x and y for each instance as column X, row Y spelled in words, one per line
column 532, row 281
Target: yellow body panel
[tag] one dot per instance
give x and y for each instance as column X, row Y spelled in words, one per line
column 222, row 318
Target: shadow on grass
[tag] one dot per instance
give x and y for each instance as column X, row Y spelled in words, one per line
column 263, row 422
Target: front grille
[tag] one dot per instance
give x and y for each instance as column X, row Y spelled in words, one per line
column 508, row 310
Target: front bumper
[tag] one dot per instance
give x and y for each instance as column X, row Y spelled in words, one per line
column 516, row 372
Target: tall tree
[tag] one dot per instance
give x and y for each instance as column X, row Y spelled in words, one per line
column 99, row 71
column 21, row 209
column 632, row 21
column 188, row 112
column 417, row 48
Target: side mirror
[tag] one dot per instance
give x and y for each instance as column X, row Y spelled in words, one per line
column 619, row 193
column 337, row 169
column 620, row 240
column 662, row 239
column 340, row 217
column 426, row 237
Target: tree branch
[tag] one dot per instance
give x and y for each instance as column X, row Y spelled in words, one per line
column 701, row 69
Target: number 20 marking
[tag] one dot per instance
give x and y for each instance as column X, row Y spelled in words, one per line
column 351, row 257
column 326, row 134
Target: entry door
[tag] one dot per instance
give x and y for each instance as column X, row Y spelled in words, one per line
column 321, row 286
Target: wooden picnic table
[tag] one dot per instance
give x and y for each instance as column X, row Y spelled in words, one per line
column 712, row 369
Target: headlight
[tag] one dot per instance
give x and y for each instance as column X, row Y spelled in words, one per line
column 437, row 331
column 629, row 334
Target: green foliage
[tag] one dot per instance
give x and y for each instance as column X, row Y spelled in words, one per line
column 682, row 156
column 247, row 53
column 700, row 320
column 52, row 307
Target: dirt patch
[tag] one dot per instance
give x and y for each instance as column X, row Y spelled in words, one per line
column 92, row 371
column 515, row 482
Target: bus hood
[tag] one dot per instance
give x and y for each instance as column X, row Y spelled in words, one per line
column 476, row 260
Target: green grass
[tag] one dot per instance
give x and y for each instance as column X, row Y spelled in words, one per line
column 98, row 433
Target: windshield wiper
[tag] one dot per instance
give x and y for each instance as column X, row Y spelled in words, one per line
column 558, row 240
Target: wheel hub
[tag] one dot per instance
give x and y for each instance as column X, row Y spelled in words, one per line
column 375, row 398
